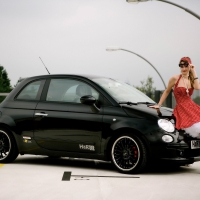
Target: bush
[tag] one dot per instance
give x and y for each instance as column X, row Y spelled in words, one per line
column 5, row 86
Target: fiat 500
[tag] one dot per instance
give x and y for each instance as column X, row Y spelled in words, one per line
column 90, row 117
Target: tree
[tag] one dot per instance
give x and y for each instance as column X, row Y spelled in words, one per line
column 147, row 87
column 197, row 100
column 19, row 80
column 5, row 85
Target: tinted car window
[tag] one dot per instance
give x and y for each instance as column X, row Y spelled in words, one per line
column 30, row 92
column 68, row 90
column 122, row 91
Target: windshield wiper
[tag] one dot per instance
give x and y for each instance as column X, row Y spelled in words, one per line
column 131, row 103
column 127, row 102
column 147, row 103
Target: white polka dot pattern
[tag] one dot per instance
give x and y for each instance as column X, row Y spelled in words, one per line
column 186, row 112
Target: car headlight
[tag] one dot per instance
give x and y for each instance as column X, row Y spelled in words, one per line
column 167, row 138
column 166, row 125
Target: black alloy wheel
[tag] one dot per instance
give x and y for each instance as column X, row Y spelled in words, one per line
column 8, row 148
column 129, row 154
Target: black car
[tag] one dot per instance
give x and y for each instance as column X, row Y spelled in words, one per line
column 90, row 117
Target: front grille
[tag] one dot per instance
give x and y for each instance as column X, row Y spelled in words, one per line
column 178, row 145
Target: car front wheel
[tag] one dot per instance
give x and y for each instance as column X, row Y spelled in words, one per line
column 129, row 154
column 8, row 148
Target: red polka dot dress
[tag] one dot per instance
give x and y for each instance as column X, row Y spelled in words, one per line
column 186, row 111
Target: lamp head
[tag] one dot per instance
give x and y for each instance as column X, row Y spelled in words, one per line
column 112, row 48
column 135, row 1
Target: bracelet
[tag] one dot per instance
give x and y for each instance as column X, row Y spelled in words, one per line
column 195, row 78
column 159, row 105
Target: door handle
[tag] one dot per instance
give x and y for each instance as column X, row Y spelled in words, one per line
column 41, row 114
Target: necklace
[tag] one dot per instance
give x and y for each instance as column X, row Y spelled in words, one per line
column 187, row 91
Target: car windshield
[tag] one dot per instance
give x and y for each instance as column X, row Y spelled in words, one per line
column 122, row 92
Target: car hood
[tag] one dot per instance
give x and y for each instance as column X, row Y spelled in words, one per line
column 143, row 111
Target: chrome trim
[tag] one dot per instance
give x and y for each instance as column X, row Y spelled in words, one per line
column 27, row 137
column 41, row 114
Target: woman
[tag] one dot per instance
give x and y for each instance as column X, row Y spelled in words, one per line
column 186, row 112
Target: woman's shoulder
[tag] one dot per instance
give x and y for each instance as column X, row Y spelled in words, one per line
column 174, row 78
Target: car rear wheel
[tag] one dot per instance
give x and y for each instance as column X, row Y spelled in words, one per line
column 129, row 154
column 8, row 147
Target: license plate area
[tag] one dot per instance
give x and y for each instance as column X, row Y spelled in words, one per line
column 195, row 144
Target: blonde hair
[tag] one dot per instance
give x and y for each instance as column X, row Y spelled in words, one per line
column 191, row 77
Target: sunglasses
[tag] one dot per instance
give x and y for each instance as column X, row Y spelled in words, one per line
column 181, row 65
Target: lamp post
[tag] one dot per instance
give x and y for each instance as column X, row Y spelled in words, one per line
column 174, row 4
column 117, row 48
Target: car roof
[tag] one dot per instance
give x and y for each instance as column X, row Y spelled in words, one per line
column 66, row 75
column 47, row 76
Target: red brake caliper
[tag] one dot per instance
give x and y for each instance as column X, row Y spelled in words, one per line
column 135, row 152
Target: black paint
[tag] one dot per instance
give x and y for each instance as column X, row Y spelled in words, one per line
column 66, row 176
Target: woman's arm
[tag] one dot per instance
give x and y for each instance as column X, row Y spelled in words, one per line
column 196, row 84
column 171, row 83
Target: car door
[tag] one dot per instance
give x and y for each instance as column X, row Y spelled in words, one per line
column 63, row 123
column 19, row 108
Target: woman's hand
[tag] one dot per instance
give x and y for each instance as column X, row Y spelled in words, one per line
column 193, row 71
column 192, row 67
column 196, row 84
column 155, row 106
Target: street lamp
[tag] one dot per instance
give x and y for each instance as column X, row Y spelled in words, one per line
column 117, row 48
column 187, row 10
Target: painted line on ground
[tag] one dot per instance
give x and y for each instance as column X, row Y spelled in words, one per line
column 84, row 176
column 1, row 165
column 67, row 176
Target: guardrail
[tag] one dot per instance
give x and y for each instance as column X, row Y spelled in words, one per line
column 4, row 94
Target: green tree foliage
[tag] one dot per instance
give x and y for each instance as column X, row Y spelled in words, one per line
column 19, row 80
column 5, row 86
column 197, row 100
column 147, row 87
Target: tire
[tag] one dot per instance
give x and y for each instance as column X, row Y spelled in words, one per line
column 129, row 154
column 8, row 147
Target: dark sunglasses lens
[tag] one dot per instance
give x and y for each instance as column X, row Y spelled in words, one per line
column 183, row 65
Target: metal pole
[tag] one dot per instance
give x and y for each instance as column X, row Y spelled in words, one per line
column 147, row 62
column 169, row 2
column 187, row 10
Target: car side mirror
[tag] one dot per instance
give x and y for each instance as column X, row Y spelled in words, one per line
column 88, row 100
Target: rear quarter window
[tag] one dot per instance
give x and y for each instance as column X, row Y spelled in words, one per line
column 30, row 91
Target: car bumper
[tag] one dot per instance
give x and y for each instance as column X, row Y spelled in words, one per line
column 177, row 153
column 180, row 160
column 181, row 153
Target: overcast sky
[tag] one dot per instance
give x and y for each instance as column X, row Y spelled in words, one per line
column 71, row 36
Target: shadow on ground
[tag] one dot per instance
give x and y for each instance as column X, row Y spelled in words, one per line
column 168, row 169
column 155, row 169
column 64, row 162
